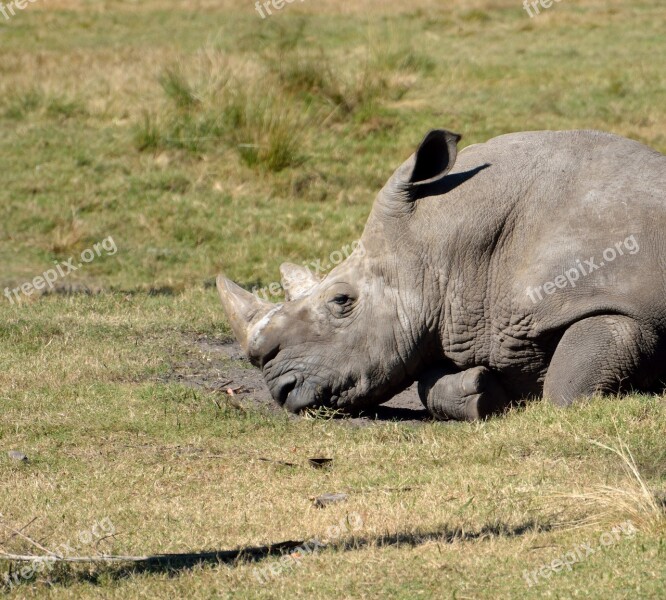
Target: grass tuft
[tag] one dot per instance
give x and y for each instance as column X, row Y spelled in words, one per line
column 19, row 105
column 177, row 89
column 630, row 500
column 147, row 134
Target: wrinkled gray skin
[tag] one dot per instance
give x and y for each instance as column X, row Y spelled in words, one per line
column 438, row 292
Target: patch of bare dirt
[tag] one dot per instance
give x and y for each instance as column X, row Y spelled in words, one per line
column 221, row 366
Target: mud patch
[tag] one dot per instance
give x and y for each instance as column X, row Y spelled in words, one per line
column 219, row 365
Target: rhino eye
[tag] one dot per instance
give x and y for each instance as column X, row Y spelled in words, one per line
column 341, row 299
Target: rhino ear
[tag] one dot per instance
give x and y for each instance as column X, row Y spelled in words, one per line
column 433, row 159
column 297, row 281
column 435, row 156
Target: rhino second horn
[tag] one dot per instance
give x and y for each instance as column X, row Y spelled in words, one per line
column 242, row 308
column 297, row 281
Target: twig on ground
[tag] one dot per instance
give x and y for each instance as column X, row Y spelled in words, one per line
column 22, row 528
column 29, row 539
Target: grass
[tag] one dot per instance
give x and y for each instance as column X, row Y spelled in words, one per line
column 633, row 497
column 464, row 508
column 204, row 139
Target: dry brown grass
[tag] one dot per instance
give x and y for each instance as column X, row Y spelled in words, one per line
column 631, row 498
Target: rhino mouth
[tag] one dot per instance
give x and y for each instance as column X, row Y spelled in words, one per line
column 295, row 394
column 299, row 383
column 296, row 389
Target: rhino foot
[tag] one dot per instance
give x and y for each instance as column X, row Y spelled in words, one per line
column 463, row 395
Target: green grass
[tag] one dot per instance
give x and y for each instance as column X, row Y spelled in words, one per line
column 237, row 143
column 203, row 139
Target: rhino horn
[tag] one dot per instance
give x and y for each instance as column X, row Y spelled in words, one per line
column 297, row 281
column 242, row 308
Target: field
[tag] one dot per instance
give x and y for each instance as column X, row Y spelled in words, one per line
column 157, row 143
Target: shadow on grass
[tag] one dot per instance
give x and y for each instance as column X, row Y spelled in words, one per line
column 174, row 564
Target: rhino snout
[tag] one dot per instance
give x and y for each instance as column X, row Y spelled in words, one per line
column 283, row 387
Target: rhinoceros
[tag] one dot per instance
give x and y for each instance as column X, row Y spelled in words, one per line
column 531, row 265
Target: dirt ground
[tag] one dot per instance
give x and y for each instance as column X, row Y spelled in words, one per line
column 220, row 365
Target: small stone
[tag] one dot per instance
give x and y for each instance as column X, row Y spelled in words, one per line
column 326, row 499
column 16, row 455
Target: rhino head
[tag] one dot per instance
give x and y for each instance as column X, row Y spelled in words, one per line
column 361, row 334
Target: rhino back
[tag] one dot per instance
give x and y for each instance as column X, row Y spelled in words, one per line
column 542, row 205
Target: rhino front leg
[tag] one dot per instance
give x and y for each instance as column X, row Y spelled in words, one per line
column 461, row 395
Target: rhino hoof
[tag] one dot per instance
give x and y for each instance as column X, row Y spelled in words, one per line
column 464, row 396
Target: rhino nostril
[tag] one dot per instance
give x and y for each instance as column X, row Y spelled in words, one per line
column 283, row 386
